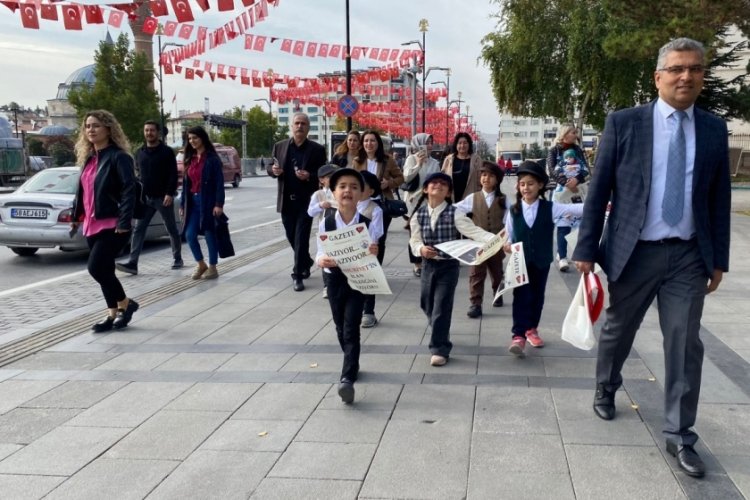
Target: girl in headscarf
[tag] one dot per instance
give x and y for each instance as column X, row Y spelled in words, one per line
column 418, row 163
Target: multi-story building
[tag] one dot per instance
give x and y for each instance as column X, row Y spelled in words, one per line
column 539, row 131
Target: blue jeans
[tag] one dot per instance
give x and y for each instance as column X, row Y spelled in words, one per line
column 192, row 228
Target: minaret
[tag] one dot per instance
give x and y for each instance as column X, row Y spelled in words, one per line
column 144, row 43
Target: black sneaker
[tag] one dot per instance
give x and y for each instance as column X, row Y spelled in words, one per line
column 178, row 264
column 474, row 311
column 127, row 267
column 125, row 315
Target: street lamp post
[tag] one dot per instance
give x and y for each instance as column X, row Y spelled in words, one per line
column 457, row 101
column 159, row 32
column 15, row 118
column 447, row 93
column 270, row 119
column 413, row 72
column 423, row 25
column 348, row 66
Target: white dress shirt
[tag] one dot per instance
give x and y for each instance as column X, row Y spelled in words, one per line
column 654, row 227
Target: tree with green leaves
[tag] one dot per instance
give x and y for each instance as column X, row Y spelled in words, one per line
column 123, row 86
column 36, row 147
column 580, row 59
column 262, row 132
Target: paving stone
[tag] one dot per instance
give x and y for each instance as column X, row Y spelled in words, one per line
column 623, row 471
column 325, row 461
column 253, row 435
column 6, row 374
column 62, row 361
column 282, row 402
column 130, row 336
column 515, row 410
column 717, row 387
column 213, row 397
column 425, row 402
column 24, row 425
column 224, row 475
column 223, row 311
column 108, row 478
column 75, row 394
column 256, row 361
column 738, row 469
column 458, row 363
column 8, row 449
column 61, row 452
column 195, row 362
column 725, row 427
column 275, row 488
column 27, row 487
column 136, row 361
column 58, row 375
column 14, row 393
column 236, row 332
column 510, row 365
column 131, row 405
column 369, row 396
column 168, row 435
column 247, row 377
column 497, row 484
column 341, row 426
column 186, row 333
column 512, row 453
column 436, row 467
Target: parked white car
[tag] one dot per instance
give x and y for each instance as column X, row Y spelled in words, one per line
column 38, row 214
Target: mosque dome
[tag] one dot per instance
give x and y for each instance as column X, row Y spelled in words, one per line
column 55, row 130
column 81, row 76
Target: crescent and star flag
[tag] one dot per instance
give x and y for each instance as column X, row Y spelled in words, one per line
column 115, row 18
column 169, row 28
column 185, row 31
column 29, row 16
column 299, row 48
column 182, row 11
column 94, row 14
column 149, row 25
column 49, row 12
column 159, row 8
column 71, row 17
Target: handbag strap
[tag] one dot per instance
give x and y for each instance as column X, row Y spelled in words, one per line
column 594, row 291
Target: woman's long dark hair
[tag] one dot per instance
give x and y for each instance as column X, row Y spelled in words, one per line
column 380, row 156
column 203, row 136
column 462, row 135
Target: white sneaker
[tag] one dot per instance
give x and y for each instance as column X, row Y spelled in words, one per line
column 368, row 321
column 325, row 292
column 563, row 265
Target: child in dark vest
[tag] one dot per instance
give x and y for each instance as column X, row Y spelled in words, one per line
column 372, row 210
column 432, row 223
column 487, row 208
column 346, row 303
column 323, row 204
column 531, row 221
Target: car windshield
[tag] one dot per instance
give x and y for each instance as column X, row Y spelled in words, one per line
column 513, row 156
column 53, row 181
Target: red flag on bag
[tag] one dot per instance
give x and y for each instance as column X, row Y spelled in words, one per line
column 71, row 17
column 182, row 11
column 29, row 17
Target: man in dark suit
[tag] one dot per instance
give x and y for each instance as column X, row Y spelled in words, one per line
column 295, row 165
column 660, row 242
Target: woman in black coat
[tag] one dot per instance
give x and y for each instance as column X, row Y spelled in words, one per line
column 202, row 199
column 104, row 205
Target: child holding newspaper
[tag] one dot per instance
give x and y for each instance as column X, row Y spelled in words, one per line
column 531, row 220
column 346, row 303
column 435, row 220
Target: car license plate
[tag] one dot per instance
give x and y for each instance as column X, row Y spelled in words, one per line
column 28, row 213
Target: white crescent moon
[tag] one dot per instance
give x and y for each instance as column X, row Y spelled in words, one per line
column 73, row 12
column 29, row 12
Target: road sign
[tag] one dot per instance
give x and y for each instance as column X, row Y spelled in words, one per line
column 348, row 106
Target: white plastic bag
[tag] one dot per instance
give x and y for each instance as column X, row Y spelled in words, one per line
column 584, row 310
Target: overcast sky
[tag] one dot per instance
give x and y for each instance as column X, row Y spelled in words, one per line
column 34, row 62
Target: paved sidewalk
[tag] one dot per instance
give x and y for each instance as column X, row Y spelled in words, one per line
column 227, row 390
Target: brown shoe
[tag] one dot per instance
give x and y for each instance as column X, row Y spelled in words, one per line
column 211, row 273
column 199, row 270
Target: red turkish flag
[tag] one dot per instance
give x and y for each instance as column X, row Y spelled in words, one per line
column 261, row 10
column 260, row 43
column 185, row 31
column 384, row 53
column 202, row 31
column 323, row 50
column 230, row 31
column 299, row 48
column 232, row 72
column 374, row 53
column 115, row 18
column 169, row 28
column 257, row 82
column 49, row 12
column 248, row 3
column 249, row 42
column 203, row 4
column 29, row 16
column 312, row 49
column 286, row 45
column 182, row 11
column 159, row 8
column 94, row 14
column 244, row 80
column 356, row 52
column 208, row 66
column 394, row 55
column 225, row 5
column 168, row 69
column 149, row 25
column 189, row 73
column 71, row 17
column 335, row 50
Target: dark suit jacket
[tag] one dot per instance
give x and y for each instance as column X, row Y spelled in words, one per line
column 623, row 173
column 315, row 157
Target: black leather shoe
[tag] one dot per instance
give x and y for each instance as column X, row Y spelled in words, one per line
column 604, row 403
column 298, row 285
column 346, row 391
column 305, row 274
column 103, row 326
column 127, row 267
column 125, row 315
column 687, row 458
column 474, row 311
column 178, row 264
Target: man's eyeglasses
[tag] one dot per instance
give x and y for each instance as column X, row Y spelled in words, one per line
column 678, row 70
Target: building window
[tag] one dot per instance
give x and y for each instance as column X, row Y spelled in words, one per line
column 506, row 123
column 534, row 133
column 283, row 111
column 535, row 121
column 313, row 118
column 313, row 127
column 283, row 119
column 522, row 133
column 312, row 109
